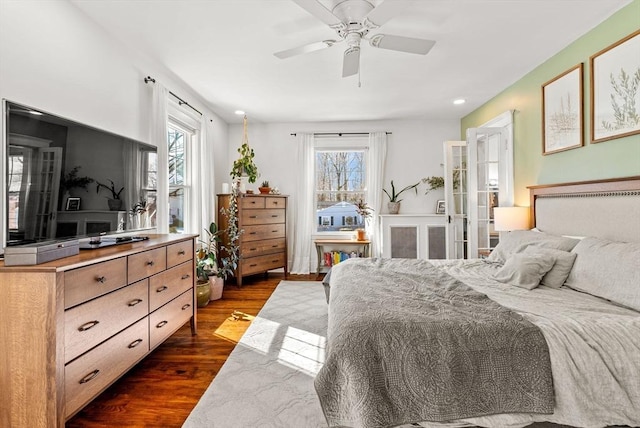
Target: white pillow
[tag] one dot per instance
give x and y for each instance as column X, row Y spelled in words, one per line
column 525, row 270
column 607, row 269
column 512, row 242
column 558, row 274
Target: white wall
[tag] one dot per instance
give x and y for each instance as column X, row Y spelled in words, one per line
column 54, row 58
column 414, row 152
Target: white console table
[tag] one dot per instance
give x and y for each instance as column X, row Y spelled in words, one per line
column 83, row 222
column 414, row 236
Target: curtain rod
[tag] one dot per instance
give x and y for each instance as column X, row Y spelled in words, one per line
column 340, row 134
column 180, row 100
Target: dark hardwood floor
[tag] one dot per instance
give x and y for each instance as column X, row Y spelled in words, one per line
column 162, row 389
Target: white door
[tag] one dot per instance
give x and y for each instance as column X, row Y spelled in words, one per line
column 455, row 191
column 49, row 167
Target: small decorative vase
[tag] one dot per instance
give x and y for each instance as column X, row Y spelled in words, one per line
column 217, row 286
column 264, row 190
column 394, row 207
column 361, row 235
column 203, row 291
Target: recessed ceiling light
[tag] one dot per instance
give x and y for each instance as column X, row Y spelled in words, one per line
column 239, row 112
column 459, row 101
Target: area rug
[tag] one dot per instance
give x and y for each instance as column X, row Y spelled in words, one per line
column 267, row 381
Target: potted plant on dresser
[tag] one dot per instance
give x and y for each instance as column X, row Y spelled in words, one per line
column 394, row 202
column 114, row 202
column 211, row 269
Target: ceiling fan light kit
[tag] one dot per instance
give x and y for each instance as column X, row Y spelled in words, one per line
column 352, row 20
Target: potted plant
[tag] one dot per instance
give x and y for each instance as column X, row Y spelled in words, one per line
column 394, row 202
column 434, row 183
column 244, row 166
column 265, row 188
column 365, row 211
column 211, row 269
column 114, row 202
column 70, row 180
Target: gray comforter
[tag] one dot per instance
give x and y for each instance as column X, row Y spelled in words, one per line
column 428, row 348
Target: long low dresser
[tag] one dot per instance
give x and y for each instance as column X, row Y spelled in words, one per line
column 70, row 327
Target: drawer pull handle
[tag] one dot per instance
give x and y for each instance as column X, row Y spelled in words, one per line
column 253, row 202
column 134, row 343
column 185, row 276
column 253, row 265
column 150, row 263
column 161, row 289
column 274, row 215
column 101, row 279
column 252, row 233
column 186, row 306
column 275, row 261
column 274, row 246
column 275, row 202
column 135, row 302
column 90, row 376
column 253, row 216
column 274, row 231
column 88, row 325
column 182, row 252
column 253, row 249
column 162, row 324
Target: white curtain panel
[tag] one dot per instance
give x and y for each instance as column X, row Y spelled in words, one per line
column 132, row 184
column 204, row 206
column 303, row 208
column 375, row 182
column 158, row 137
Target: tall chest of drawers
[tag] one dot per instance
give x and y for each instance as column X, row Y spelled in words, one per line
column 263, row 241
column 69, row 328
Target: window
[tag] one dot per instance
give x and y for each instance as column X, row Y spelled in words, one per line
column 340, row 177
column 179, row 138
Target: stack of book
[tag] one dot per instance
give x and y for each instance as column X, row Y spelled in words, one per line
column 332, row 258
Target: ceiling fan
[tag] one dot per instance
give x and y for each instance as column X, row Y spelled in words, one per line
column 353, row 20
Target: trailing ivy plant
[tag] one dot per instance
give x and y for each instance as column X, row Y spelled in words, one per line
column 230, row 253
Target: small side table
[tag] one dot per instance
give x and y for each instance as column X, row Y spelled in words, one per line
column 365, row 246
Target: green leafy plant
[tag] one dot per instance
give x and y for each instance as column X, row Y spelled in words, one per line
column 244, row 165
column 393, row 196
column 70, row 180
column 112, row 188
column 363, row 209
column 434, row 183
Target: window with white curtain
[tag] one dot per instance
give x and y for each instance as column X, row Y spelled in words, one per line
column 182, row 134
column 340, row 182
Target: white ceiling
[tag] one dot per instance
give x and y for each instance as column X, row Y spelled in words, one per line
column 223, row 50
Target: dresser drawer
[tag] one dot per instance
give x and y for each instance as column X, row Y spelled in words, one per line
column 262, row 263
column 179, row 253
column 275, row 202
column 95, row 370
column 169, row 318
column 258, row 232
column 87, row 325
column 266, row 216
column 85, row 283
column 249, row 202
column 169, row 284
column 258, row 248
column 145, row 264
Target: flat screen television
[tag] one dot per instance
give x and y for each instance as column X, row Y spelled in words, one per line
column 65, row 180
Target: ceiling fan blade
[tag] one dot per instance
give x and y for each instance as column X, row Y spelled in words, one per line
column 402, row 44
column 311, row 47
column 383, row 12
column 351, row 61
column 315, row 8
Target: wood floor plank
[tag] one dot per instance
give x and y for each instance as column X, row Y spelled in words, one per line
column 163, row 388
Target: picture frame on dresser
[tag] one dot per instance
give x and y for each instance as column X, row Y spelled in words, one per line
column 73, row 204
column 562, row 112
column 440, row 206
column 614, row 71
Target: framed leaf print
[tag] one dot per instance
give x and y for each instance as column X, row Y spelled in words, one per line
column 562, row 112
column 615, row 90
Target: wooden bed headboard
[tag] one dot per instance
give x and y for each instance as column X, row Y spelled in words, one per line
column 608, row 209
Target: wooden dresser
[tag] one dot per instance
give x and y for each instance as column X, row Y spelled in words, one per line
column 263, row 242
column 70, row 327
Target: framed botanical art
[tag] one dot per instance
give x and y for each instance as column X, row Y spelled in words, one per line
column 562, row 112
column 615, row 90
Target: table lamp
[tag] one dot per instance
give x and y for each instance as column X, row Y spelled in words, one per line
column 506, row 219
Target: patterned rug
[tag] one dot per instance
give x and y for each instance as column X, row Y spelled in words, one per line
column 267, row 381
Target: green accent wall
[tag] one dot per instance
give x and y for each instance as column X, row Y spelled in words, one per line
column 615, row 158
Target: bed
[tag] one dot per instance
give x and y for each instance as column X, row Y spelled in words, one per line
column 546, row 329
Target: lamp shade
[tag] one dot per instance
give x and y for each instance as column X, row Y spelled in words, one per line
column 510, row 218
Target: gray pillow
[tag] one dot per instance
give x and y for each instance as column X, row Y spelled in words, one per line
column 607, row 269
column 512, row 242
column 558, row 274
column 525, row 270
